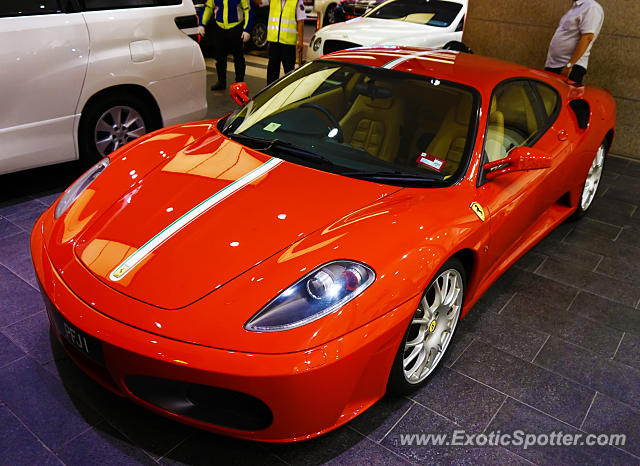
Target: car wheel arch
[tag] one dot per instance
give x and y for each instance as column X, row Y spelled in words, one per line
column 125, row 91
column 468, row 258
column 135, row 89
column 609, row 138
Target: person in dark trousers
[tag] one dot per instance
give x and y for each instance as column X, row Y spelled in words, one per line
column 571, row 44
column 230, row 28
column 285, row 31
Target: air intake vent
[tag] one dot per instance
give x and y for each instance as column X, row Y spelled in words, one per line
column 213, row 405
column 335, row 45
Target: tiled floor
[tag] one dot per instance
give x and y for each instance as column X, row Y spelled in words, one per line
column 553, row 346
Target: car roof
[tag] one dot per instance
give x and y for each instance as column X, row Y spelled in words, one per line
column 476, row 71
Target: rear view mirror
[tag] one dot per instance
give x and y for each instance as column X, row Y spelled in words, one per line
column 519, row 159
column 239, row 92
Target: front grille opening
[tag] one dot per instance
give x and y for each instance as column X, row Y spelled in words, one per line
column 335, row 45
column 213, row 405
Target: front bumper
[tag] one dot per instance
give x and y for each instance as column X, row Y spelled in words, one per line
column 307, row 393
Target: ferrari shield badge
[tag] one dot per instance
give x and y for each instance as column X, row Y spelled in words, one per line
column 478, row 210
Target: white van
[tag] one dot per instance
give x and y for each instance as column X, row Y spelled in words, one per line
column 80, row 78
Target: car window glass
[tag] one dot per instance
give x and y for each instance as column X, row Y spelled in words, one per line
column 512, row 119
column 90, row 5
column 361, row 118
column 29, row 7
column 549, row 97
column 336, row 80
column 432, row 13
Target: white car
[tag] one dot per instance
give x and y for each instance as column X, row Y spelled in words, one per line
column 420, row 23
column 325, row 11
column 81, row 78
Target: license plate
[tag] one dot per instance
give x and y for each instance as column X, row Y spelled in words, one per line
column 82, row 341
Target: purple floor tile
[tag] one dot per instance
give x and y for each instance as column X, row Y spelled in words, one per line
column 592, row 371
column 25, row 214
column 15, row 254
column 49, row 199
column 102, row 445
column 33, row 336
column 609, row 313
column 206, row 448
column 320, row 449
column 376, row 421
column 41, row 402
column 9, row 351
column 503, row 333
column 8, row 229
column 608, row 416
column 547, row 391
column 19, row 446
column 629, row 351
column 464, row 401
column 421, row 421
column 518, row 420
column 370, row 453
column 593, row 335
column 18, row 299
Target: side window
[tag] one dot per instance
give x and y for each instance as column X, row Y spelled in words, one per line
column 29, row 7
column 512, row 119
column 550, row 99
column 92, row 5
column 460, row 27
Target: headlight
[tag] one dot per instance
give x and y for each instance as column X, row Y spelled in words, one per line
column 315, row 45
column 321, row 292
column 73, row 191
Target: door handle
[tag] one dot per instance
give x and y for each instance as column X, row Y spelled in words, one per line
column 563, row 135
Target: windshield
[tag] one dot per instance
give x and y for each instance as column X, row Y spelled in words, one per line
column 430, row 12
column 372, row 123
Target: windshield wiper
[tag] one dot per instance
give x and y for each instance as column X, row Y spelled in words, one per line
column 279, row 146
column 393, row 176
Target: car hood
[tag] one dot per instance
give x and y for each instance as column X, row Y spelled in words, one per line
column 375, row 31
column 206, row 215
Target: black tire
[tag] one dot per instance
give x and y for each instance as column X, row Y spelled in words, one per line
column 583, row 207
column 258, row 39
column 398, row 382
column 457, row 46
column 96, row 109
column 330, row 16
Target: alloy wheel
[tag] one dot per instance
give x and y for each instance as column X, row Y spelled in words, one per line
column 593, row 179
column 432, row 326
column 116, row 127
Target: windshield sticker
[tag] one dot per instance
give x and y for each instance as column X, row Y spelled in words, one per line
column 271, row 127
column 431, row 161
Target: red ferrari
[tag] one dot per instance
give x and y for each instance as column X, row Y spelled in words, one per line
column 271, row 274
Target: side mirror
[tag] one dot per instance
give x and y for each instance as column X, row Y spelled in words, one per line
column 239, row 92
column 519, row 159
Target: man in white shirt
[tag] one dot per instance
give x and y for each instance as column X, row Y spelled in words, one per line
column 571, row 44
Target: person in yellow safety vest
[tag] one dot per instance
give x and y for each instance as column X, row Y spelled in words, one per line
column 284, row 34
column 231, row 28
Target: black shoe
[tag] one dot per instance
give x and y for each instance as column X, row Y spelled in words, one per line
column 218, row 86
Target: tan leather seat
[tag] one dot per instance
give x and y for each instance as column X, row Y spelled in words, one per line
column 494, row 144
column 451, row 138
column 519, row 117
column 374, row 125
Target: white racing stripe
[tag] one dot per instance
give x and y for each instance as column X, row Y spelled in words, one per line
column 155, row 242
column 392, row 64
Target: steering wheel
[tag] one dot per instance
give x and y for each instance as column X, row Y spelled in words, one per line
column 332, row 119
